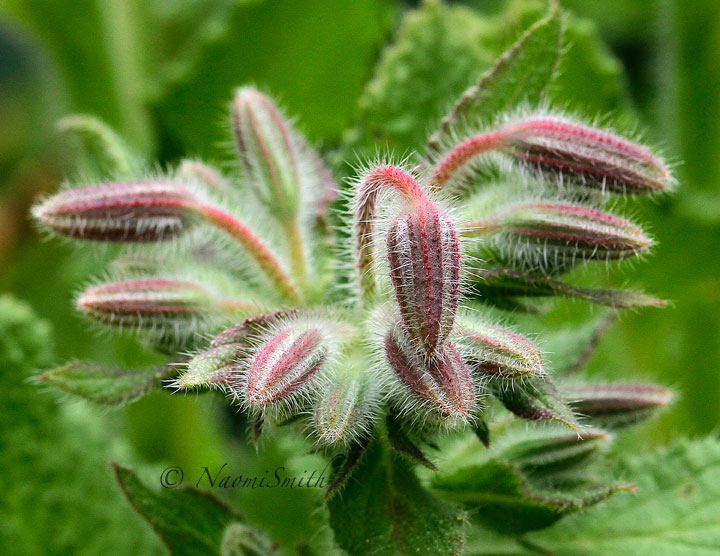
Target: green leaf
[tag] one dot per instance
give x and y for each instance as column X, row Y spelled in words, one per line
column 522, row 73
column 399, row 517
column 536, row 399
column 437, row 53
column 674, row 513
column 401, row 443
column 54, row 459
column 106, row 386
column 494, row 285
column 505, row 500
column 191, row 522
column 482, row 431
column 346, row 466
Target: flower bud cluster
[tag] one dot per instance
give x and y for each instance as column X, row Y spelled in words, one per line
column 337, row 368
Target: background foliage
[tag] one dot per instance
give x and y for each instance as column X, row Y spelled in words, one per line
column 162, row 72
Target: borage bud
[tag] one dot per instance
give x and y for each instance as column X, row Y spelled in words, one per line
column 614, row 406
column 218, row 365
column 194, row 171
column 495, row 351
column 139, row 211
column 575, row 153
column 151, row 304
column 571, row 231
column 345, row 403
column 423, row 252
column 441, row 382
column 556, row 454
column 587, row 156
column 283, row 364
column 267, row 149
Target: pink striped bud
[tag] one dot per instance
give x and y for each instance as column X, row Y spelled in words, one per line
column 575, row 153
column 614, row 406
column 496, row 351
column 140, row 211
column 573, row 231
column 441, row 382
column 284, row 364
column 285, row 172
column 149, row 303
column 423, row 252
column 343, row 411
column 587, row 156
column 267, row 149
column 218, row 365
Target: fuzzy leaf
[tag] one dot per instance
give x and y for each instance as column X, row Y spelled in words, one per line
column 536, row 399
column 438, row 48
column 403, row 445
column 399, row 516
column 523, row 72
column 190, row 522
column 675, row 511
column 503, row 499
column 105, row 386
column 501, row 284
column 345, row 467
column 482, row 431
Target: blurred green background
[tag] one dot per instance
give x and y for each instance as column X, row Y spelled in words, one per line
column 161, row 73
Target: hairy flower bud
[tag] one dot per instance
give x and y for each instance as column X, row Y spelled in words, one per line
column 217, row 365
column 267, row 150
column 441, row 382
column 614, row 406
column 345, row 404
column 496, row 351
column 139, row 211
column 572, row 231
column 423, row 252
column 194, row 171
column 575, row 153
column 587, row 156
column 151, row 304
column 556, row 454
column 284, row 363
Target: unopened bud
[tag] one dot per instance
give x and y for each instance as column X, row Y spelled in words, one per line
column 556, row 454
column 343, row 410
column 267, row 149
column 284, row 363
column 218, row 365
column 441, row 382
column 423, row 252
column 614, row 406
column 194, row 171
column 587, row 156
column 139, row 211
column 496, row 351
column 536, row 399
column 153, row 304
column 575, row 153
column 573, row 231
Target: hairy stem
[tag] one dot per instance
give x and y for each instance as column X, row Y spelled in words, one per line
column 460, row 155
column 372, row 184
column 265, row 258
